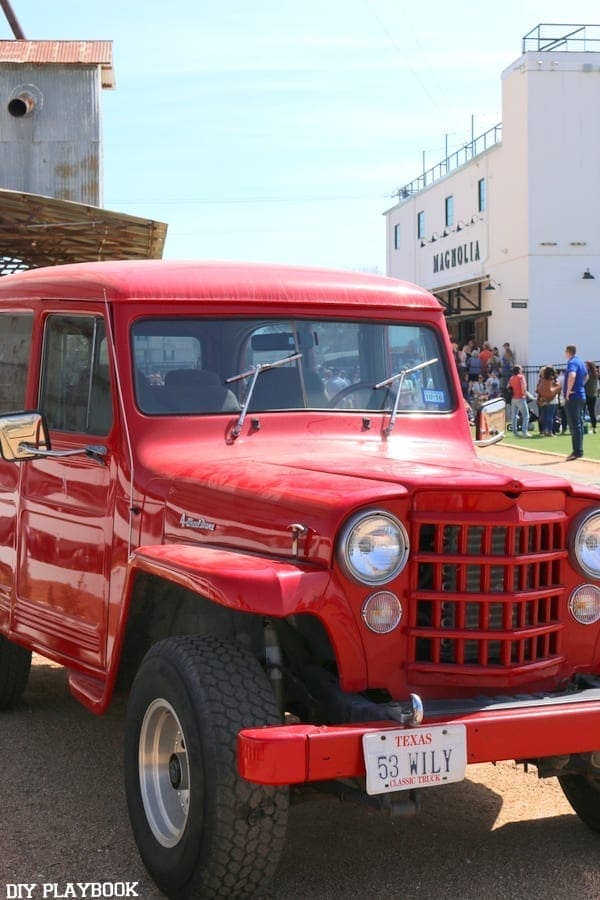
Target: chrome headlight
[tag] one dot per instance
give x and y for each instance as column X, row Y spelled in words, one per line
column 585, row 543
column 373, row 547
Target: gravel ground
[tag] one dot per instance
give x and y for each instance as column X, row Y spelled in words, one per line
column 500, row 834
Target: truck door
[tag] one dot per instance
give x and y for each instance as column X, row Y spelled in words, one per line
column 67, row 504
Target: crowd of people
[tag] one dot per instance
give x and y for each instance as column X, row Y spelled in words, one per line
column 484, row 371
column 560, row 401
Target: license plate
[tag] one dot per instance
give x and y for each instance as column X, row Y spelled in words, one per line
column 408, row 758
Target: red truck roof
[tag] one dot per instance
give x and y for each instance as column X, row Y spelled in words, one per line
column 161, row 279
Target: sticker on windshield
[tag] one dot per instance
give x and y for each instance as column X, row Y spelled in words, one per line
column 431, row 396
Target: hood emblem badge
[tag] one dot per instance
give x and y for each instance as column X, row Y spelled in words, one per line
column 202, row 524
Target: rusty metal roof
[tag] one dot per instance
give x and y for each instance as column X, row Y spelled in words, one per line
column 62, row 53
column 42, row 231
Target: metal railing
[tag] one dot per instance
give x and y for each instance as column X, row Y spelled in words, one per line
column 548, row 36
column 532, row 373
column 467, row 152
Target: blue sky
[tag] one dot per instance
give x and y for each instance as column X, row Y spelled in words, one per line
column 278, row 131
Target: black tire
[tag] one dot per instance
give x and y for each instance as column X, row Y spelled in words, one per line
column 202, row 831
column 15, row 663
column 583, row 793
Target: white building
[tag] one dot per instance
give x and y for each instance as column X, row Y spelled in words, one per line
column 506, row 232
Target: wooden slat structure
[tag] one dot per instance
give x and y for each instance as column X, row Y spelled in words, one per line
column 42, row 231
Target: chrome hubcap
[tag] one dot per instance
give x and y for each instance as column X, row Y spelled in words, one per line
column 164, row 773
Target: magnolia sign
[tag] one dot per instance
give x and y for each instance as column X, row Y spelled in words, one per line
column 456, row 256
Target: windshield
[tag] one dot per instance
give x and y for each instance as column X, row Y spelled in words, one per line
column 192, row 366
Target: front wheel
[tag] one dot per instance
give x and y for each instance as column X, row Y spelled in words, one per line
column 202, row 831
column 583, row 793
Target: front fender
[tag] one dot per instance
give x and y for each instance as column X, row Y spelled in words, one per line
column 236, row 580
column 243, row 582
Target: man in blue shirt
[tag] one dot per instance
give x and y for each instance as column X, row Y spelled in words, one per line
column 574, row 390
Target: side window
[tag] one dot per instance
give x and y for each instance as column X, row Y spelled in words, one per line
column 75, row 394
column 15, row 350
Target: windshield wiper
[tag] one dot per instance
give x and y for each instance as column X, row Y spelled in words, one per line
column 400, row 376
column 254, row 372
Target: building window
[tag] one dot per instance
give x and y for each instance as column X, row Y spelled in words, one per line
column 421, row 225
column 449, row 211
column 396, row 237
column 481, row 198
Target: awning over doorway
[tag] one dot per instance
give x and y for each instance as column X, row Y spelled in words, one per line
column 462, row 298
column 468, row 317
column 456, row 285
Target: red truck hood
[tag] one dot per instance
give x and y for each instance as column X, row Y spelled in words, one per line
column 250, row 501
column 330, row 466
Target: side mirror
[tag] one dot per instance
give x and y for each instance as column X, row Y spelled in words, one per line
column 22, row 435
column 490, row 422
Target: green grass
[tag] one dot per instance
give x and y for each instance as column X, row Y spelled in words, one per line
column 559, row 443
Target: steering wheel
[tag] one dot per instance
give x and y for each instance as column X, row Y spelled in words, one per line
column 367, row 397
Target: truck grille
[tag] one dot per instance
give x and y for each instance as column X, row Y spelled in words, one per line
column 487, row 595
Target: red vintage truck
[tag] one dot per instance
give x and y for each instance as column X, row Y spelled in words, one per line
column 249, row 497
